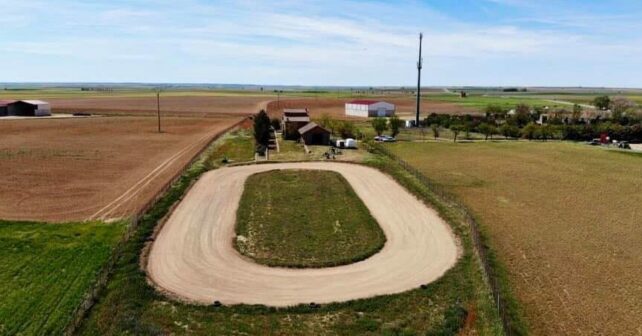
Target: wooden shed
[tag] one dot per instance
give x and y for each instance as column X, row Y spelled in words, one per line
column 313, row 134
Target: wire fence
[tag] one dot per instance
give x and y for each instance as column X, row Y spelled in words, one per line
column 105, row 272
column 481, row 250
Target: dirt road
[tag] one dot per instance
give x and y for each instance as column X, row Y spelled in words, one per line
column 193, row 256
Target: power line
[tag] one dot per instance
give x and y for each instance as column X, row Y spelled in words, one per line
column 419, row 66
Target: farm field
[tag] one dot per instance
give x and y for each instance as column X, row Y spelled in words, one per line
column 334, row 229
column 563, row 218
column 171, row 105
column 98, row 167
column 46, row 271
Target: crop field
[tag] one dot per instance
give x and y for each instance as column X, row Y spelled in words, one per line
column 334, row 228
column 98, row 167
column 171, row 105
column 45, row 271
column 563, row 218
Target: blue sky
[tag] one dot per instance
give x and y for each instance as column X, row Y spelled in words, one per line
column 329, row 42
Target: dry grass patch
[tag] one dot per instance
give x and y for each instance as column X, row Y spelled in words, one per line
column 564, row 219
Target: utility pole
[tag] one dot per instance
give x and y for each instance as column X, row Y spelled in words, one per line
column 158, row 109
column 419, row 66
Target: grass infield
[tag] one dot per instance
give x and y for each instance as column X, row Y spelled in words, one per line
column 334, row 228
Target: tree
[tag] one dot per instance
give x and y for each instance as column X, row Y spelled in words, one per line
column 261, row 129
column 522, row 115
column 621, row 105
column 487, row 130
column 395, row 124
column 455, row 129
column 494, row 111
column 509, row 131
column 275, row 123
column 327, row 122
column 379, row 124
column 577, row 113
column 602, row 102
column 435, row 130
column 345, row 129
column 546, row 132
column 530, row 131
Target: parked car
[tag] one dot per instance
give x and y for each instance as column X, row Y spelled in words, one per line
column 384, row 138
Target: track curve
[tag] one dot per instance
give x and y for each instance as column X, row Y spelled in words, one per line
column 193, row 256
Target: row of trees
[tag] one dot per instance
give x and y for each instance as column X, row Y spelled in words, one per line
column 534, row 131
column 381, row 125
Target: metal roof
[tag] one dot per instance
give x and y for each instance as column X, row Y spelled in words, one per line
column 6, row 102
column 296, row 119
column 297, row 110
column 309, row 127
column 35, row 102
column 364, row 102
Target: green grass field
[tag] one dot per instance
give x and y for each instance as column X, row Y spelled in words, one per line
column 45, row 271
column 563, row 218
column 237, row 146
column 334, row 228
column 458, row 300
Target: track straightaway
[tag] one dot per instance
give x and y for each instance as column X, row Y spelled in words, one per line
column 193, row 256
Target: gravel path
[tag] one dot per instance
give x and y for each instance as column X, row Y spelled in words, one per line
column 193, row 256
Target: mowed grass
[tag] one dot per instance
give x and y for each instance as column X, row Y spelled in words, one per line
column 304, row 218
column 45, row 271
column 565, row 219
column 237, row 146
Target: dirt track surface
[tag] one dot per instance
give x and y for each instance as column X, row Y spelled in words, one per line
column 193, row 256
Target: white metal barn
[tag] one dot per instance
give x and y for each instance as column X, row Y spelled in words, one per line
column 369, row 108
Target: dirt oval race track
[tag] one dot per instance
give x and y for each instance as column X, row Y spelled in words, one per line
column 193, row 256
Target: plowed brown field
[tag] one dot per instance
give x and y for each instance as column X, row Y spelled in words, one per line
column 201, row 106
column 336, row 107
column 88, row 168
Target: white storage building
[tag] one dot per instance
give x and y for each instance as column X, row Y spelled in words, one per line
column 369, row 108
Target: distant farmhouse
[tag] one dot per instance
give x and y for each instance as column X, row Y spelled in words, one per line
column 24, row 108
column 369, row 108
column 296, row 125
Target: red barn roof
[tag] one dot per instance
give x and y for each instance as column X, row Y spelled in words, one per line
column 364, row 102
column 6, row 102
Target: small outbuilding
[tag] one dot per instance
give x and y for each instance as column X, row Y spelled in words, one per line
column 292, row 121
column 313, row 134
column 29, row 108
column 369, row 108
